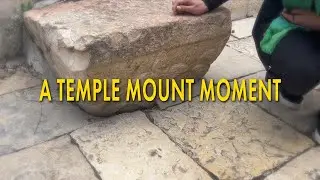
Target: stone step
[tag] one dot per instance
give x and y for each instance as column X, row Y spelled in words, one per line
column 126, row 40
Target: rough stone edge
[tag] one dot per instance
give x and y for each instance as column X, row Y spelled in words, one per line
column 30, row 24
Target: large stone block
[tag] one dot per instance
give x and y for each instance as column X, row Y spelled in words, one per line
column 126, row 40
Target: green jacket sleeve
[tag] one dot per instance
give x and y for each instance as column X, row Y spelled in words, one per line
column 212, row 4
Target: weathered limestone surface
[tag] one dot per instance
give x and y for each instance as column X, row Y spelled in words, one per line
column 129, row 146
column 306, row 166
column 126, row 39
column 24, row 121
column 233, row 140
column 245, row 46
column 56, row 159
column 243, row 28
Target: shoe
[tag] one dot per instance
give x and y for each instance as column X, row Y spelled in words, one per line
column 316, row 133
column 316, row 136
column 290, row 101
column 293, row 103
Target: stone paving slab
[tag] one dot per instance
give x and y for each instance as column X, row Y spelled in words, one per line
column 238, row 8
column 25, row 122
column 254, row 7
column 19, row 80
column 232, row 38
column 245, row 46
column 56, row 159
column 129, row 146
column 232, row 140
column 304, row 167
column 303, row 120
column 243, row 28
column 232, row 64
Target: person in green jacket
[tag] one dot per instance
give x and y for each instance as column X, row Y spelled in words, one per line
column 287, row 38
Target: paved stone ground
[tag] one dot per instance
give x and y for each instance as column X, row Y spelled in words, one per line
column 192, row 140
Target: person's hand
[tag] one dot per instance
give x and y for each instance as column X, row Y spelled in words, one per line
column 300, row 12
column 303, row 18
column 195, row 7
column 290, row 15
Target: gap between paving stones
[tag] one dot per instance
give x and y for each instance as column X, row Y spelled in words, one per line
column 277, row 168
column 150, row 118
column 74, row 142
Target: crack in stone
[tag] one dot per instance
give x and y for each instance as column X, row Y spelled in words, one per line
column 96, row 172
column 39, row 121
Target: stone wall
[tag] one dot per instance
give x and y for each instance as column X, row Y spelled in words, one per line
column 11, row 27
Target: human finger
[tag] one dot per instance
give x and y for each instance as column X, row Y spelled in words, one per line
column 185, row 9
column 301, row 12
column 288, row 17
column 174, row 5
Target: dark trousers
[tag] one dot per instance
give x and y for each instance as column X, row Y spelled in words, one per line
column 296, row 59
